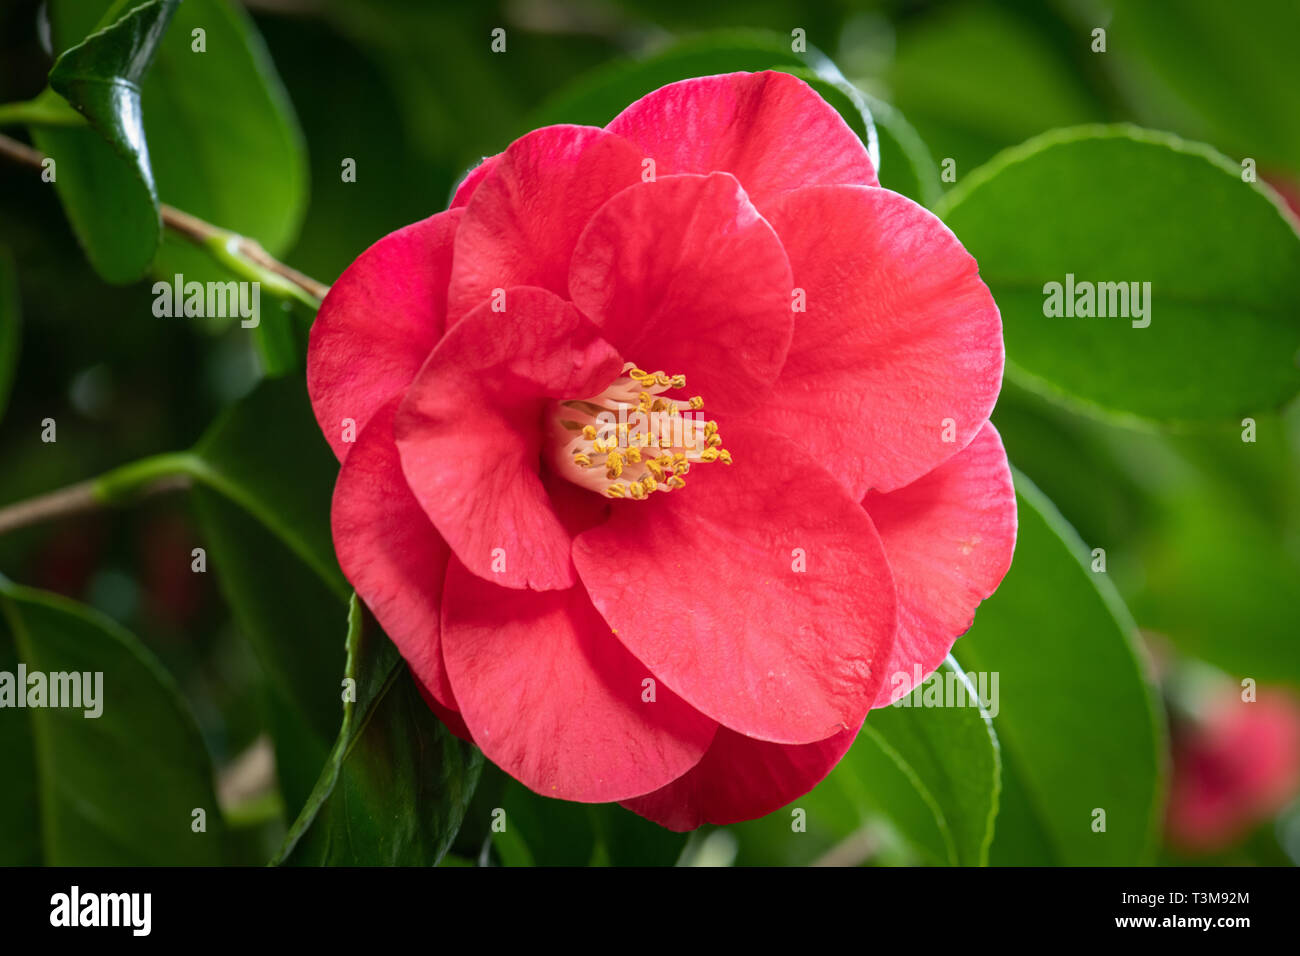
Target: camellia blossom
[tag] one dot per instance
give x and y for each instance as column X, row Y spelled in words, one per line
column 671, row 445
column 1233, row 769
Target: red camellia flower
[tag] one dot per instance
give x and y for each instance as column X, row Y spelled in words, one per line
column 671, row 444
column 1233, row 769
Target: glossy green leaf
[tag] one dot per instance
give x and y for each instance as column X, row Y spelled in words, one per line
column 205, row 112
column 397, row 783
column 920, row 784
column 9, row 318
column 102, row 172
column 1077, row 721
column 117, row 789
column 1230, row 79
column 225, row 141
column 944, row 759
column 1129, row 206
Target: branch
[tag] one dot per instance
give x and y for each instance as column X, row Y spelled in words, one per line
column 242, row 255
column 147, row 476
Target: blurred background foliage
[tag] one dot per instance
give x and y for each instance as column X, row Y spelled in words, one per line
column 1201, row 530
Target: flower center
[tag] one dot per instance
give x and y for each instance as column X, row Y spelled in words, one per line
column 630, row 441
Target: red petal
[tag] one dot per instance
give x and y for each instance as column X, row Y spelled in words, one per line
column 949, row 537
column 683, row 275
column 770, row 130
column 701, row 585
column 469, row 185
column 900, row 335
column 391, row 553
column 469, row 432
column 526, row 214
column 378, row 324
column 554, row 700
column 740, row 778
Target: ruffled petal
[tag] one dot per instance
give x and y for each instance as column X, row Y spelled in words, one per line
column 683, row 275
column 898, row 360
column 378, row 324
column 469, row 432
column 770, row 130
column 759, row 592
column 529, row 208
column 740, row 778
column 390, row 552
column 469, row 185
column 553, row 699
column 949, row 537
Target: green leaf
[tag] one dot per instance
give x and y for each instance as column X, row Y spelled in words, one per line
column 941, row 80
column 263, row 479
column 9, row 315
column 1232, row 80
column 941, row 759
column 929, row 773
column 115, row 789
column 599, row 96
column 263, row 483
column 267, row 455
column 226, row 143
column 906, row 165
column 290, row 618
column 1130, row 206
column 397, row 783
column 102, row 173
column 1077, row 721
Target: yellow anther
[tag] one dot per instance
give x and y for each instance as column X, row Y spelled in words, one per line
column 614, row 465
column 631, row 459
